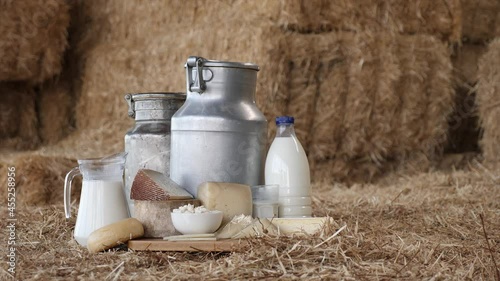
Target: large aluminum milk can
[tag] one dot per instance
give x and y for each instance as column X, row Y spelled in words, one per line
column 219, row 134
column 148, row 142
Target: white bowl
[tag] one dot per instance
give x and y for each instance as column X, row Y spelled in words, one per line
column 201, row 223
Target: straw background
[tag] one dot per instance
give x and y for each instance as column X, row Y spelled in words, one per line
column 395, row 102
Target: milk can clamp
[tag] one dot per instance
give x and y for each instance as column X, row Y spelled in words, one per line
column 198, row 85
column 131, row 107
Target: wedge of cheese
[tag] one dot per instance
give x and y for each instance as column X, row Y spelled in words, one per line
column 154, row 186
column 245, row 227
column 231, row 199
column 258, row 228
column 236, row 225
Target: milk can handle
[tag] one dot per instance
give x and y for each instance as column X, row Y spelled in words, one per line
column 198, row 85
column 67, row 190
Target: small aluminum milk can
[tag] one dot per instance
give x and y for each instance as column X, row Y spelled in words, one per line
column 219, row 134
column 148, row 142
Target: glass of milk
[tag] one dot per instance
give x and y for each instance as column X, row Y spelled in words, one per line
column 265, row 201
column 288, row 167
column 102, row 200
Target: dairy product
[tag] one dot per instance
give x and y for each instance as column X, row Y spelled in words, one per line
column 287, row 200
column 265, row 210
column 265, row 201
column 190, row 209
column 154, row 186
column 301, row 226
column 244, row 227
column 102, row 202
column 258, row 228
column 114, row 234
column 156, row 216
column 294, row 211
column 231, row 198
column 288, row 167
column 294, row 206
column 237, row 224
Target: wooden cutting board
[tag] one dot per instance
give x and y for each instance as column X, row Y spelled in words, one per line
column 158, row 244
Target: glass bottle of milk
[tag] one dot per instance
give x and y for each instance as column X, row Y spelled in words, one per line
column 287, row 166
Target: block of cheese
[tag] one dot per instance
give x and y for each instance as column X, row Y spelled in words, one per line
column 114, row 234
column 155, row 215
column 155, row 186
column 231, row 199
column 289, row 226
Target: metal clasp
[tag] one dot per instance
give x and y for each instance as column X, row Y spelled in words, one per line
column 198, row 83
column 131, row 105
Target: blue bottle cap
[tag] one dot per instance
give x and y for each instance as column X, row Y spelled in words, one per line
column 281, row 120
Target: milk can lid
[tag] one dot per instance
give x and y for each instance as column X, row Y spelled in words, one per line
column 245, row 65
column 156, row 95
column 281, row 120
column 192, row 60
column 131, row 99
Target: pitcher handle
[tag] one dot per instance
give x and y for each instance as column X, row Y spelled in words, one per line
column 67, row 190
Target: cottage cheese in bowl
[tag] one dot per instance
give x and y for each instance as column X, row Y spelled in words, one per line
column 188, row 219
column 189, row 208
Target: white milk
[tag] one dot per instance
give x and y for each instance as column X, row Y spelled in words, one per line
column 287, row 166
column 295, row 211
column 101, row 203
column 265, row 209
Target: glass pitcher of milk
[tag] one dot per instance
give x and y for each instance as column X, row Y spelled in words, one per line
column 102, row 200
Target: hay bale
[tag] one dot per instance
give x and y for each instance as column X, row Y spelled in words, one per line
column 409, row 125
column 368, row 98
column 387, row 101
column 362, row 80
column 9, row 112
column 346, row 171
column 345, row 76
column 439, row 18
column 428, row 96
column 303, row 89
column 33, row 39
column 57, row 97
column 488, row 95
column 114, row 20
column 40, row 179
column 347, row 89
column 18, row 117
column 481, row 19
column 327, row 128
column 440, row 96
column 463, row 123
column 91, row 142
column 306, row 56
column 465, row 64
column 55, row 104
column 135, row 62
